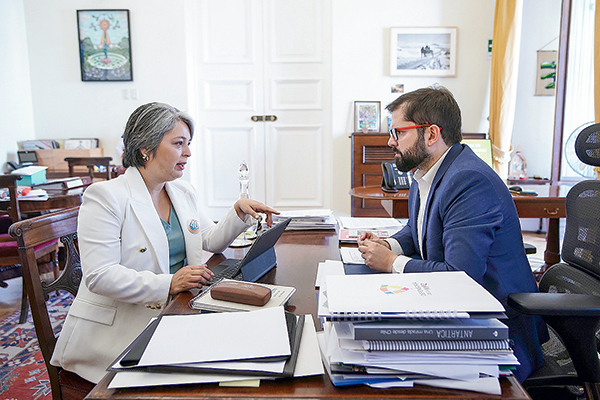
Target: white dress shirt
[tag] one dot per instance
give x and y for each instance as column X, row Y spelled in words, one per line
column 424, row 181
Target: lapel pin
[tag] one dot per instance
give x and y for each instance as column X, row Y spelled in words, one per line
column 143, row 249
column 193, row 226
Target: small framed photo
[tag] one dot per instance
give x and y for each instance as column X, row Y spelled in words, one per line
column 104, row 45
column 422, row 51
column 367, row 116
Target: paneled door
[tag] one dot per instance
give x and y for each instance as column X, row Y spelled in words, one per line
column 261, row 71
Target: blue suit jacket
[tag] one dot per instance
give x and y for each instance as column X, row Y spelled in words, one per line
column 471, row 224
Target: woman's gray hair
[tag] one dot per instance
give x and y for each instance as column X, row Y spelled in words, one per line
column 145, row 129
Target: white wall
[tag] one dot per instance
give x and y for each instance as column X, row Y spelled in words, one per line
column 361, row 44
column 16, row 110
column 64, row 106
column 43, row 34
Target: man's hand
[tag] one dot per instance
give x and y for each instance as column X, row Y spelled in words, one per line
column 190, row 277
column 370, row 236
column 376, row 252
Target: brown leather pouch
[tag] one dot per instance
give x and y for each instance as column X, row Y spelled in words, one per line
column 241, row 292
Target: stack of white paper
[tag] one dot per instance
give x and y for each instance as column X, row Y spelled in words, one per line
column 235, row 346
column 308, row 219
column 348, row 301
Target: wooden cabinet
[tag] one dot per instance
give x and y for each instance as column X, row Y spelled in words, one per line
column 54, row 159
column 369, row 150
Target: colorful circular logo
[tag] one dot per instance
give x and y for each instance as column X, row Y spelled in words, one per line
column 392, row 289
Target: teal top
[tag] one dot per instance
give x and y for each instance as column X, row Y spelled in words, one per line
column 176, row 241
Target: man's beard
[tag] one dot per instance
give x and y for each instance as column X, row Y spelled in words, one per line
column 412, row 157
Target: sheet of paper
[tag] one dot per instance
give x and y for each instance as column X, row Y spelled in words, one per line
column 328, row 267
column 309, row 359
column 351, row 255
column 482, row 385
column 308, row 364
column 368, row 223
column 141, row 379
column 218, row 337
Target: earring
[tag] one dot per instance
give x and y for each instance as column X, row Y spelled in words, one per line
column 145, row 157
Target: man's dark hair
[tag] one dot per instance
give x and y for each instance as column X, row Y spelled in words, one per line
column 434, row 106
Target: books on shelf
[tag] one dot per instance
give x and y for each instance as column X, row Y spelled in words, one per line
column 442, row 329
column 279, row 296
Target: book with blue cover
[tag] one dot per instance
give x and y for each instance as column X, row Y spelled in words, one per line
column 441, row 329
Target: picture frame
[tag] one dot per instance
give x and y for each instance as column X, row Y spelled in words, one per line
column 423, row 51
column 545, row 76
column 367, row 116
column 104, row 45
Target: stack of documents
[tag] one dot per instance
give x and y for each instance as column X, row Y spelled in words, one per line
column 388, row 330
column 308, row 219
column 25, row 193
column 219, row 347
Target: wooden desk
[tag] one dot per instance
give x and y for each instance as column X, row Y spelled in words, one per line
column 57, row 200
column 549, row 203
column 298, row 253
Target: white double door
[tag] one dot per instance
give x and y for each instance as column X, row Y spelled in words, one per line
column 253, row 60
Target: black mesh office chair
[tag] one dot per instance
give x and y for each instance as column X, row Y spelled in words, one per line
column 569, row 298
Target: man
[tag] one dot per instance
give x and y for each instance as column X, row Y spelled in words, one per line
column 461, row 215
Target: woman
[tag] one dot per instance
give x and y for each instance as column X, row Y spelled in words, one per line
column 141, row 239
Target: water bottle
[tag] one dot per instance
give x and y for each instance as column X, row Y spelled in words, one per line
column 244, row 179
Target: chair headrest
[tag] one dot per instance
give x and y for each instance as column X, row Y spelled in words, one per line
column 587, row 145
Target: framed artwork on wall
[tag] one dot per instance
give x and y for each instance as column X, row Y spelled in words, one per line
column 423, row 51
column 367, row 116
column 545, row 79
column 104, row 45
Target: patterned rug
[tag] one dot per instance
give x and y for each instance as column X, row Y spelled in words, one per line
column 22, row 371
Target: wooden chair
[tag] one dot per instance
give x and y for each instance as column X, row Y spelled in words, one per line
column 10, row 261
column 90, row 163
column 29, row 234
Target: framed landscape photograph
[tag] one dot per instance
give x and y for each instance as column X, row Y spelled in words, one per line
column 422, row 51
column 104, row 45
column 367, row 116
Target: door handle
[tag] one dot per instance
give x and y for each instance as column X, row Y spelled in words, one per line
column 269, row 118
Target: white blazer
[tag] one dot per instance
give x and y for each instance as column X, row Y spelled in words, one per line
column 125, row 262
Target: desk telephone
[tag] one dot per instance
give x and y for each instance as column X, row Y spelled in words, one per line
column 393, row 180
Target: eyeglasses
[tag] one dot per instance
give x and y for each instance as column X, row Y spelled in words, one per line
column 395, row 131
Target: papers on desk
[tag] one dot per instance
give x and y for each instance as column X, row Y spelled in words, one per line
column 219, row 337
column 351, row 255
column 308, row 219
column 367, row 223
column 25, row 193
column 389, row 302
column 307, row 364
